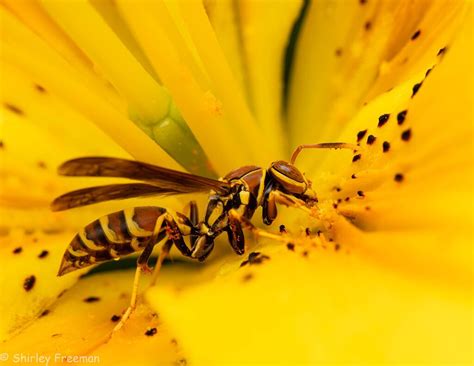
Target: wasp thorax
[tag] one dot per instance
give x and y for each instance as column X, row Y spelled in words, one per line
column 289, row 177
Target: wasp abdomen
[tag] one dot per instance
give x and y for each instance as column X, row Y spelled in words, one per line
column 111, row 237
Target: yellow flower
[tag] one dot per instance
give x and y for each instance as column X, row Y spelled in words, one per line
column 385, row 274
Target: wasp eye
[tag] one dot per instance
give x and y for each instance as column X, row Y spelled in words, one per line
column 288, row 176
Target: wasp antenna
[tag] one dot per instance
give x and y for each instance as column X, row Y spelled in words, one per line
column 324, row 145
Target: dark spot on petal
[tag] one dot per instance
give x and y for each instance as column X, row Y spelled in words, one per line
column 416, row 87
column 356, row 157
column 44, row 313
column 338, row 52
column 406, row 135
column 43, row 254
column 52, row 230
column 337, row 247
column 29, row 282
column 367, row 208
column 334, row 205
column 151, row 332
column 307, row 231
column 17, row 250
column 383, row 119
column 401, row 117
column 337, row 189
column 362, row 2
column 385, row 146
column 291, row 246
column 370, row 139
column 61, row 293
column 353, row 176
column 255, row 258
column 174, row 342
column 416, row 35
column 360, row 135
column 398, row 177
column 367, row 25
column 41, row 164
column 56, row 335
column 182, row 362
column 347, row 199
column 13, row 108
column 247, row 277
column 360, row 193
column 305, row 253
column 40, row 88
column 282, row 229
column 2, row 145
column 427, row 72
column 92, row 299
column 115, row 318
column 441, row 51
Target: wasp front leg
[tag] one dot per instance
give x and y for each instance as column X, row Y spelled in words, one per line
column 270, row 212
column 235, row 233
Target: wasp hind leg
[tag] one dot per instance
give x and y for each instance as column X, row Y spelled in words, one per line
column 172, row 235
column 142, row 267
column 165, row 249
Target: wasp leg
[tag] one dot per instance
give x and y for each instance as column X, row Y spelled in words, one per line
column 142, row 266
column 247, row 224
column 287, row 200
column 194, row 218
column 133, row 301
column 269, row 209
column 174, row 236
column 236, row 235
column 165, row 249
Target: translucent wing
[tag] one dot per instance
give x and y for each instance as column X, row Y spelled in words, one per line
column 91, row 195
column 164, row 178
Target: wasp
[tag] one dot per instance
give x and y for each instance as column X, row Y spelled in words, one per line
column 233, row 201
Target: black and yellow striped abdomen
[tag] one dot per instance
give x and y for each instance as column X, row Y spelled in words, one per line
column 111, row 237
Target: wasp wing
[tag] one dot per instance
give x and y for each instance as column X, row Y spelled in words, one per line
column 161, row 177
column 91, row 195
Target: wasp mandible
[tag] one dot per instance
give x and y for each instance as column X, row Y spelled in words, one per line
column 233, row 200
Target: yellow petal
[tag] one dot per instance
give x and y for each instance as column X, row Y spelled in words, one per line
column 150, row 105
column 151, row 23
column 265, row 31
column 224, row 83
column 34, row 16
column 29, row 284
column 327, row 307
column 84, row 93
column 225, row 19
column 335, row 67
column 79, row 322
